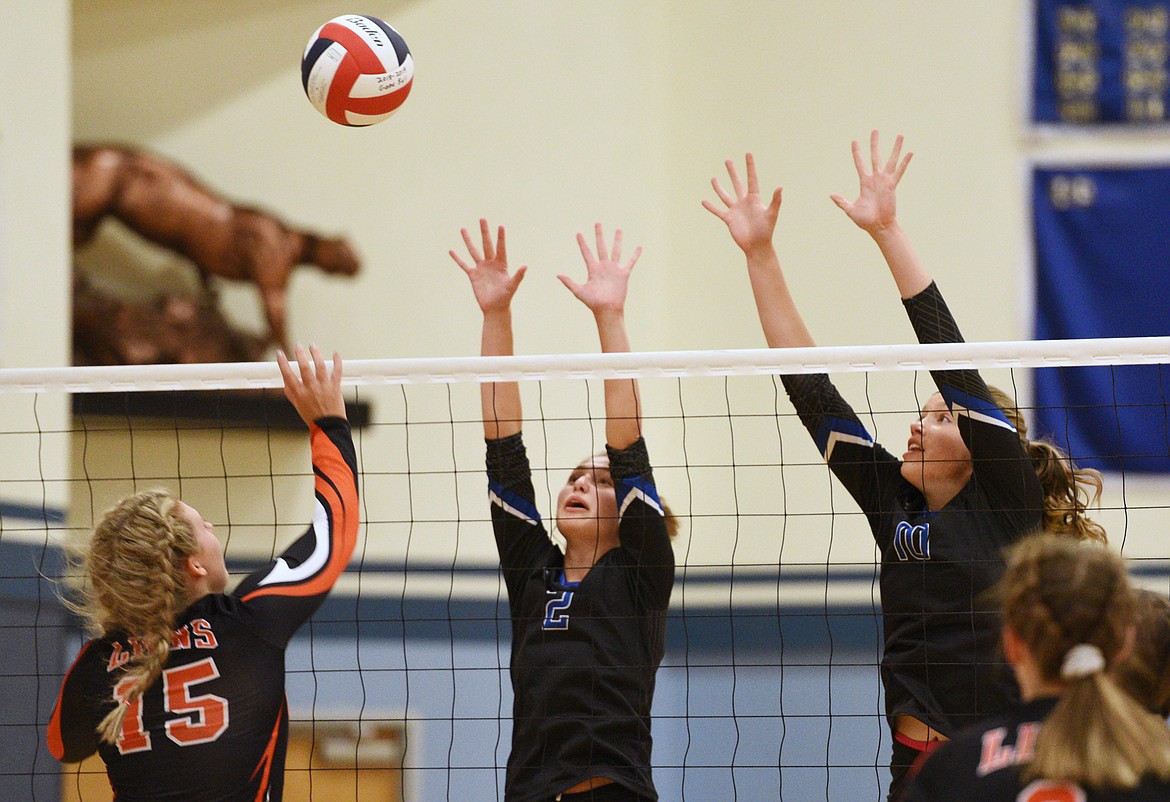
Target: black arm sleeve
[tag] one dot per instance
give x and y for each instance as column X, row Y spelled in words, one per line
column 862, row 465
column 933, row 323
column 642, row 528
column 1001, row 463
column 521, row 538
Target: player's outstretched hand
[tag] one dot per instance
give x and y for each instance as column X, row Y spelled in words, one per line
column 607, row 279
column 876, row 206
column 750, row 221
column 488, row 269
column 313, row 389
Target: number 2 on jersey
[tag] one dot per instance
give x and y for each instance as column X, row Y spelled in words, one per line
column 201, row 719
column 556, row 612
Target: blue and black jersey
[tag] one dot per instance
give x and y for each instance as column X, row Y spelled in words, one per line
column 584, row 655
column 941, row 662
column 215, row 724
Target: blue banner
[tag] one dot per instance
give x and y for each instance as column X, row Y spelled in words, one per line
column 1101, row 61
column 1102, row 248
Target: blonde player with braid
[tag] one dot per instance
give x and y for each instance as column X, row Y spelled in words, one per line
column 1068, row 620
column 182, row 692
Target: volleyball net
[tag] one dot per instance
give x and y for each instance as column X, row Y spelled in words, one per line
column 399, row 687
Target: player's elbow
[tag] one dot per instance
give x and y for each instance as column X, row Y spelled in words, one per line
column 68, row 751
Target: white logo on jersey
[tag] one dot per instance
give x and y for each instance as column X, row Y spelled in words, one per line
column 995, row 755
column 912, row 542
column 282, row 572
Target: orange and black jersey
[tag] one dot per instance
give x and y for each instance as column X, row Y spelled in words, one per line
column 584, row 654
column 941, row 662
column 215, row 726
column 983, row 765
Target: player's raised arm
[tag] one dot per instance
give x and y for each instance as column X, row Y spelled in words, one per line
column 999, row 450
column 752, row 224
column 604, row 293
column 875, row 211
column 494, row 288
column 293, row 586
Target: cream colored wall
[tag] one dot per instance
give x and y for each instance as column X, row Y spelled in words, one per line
column 34, row 182
column 795, row 83
column 547, row 116
column 541, row 116
column 34, row 247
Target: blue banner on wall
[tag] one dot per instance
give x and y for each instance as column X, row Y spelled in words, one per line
column 1101, row 61
column 1102, row 246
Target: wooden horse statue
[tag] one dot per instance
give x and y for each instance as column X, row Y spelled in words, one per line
column 166, row 205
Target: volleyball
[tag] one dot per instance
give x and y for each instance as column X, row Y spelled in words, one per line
column 357, row 70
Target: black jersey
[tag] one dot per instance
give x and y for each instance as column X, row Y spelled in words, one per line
column 941, row 661
column 215, row 726
column 983, row 765
column 584, row 655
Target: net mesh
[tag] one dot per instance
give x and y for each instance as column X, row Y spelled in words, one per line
column 399, row 686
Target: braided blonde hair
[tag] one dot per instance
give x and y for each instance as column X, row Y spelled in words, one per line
column 135, row 585
column 1058, row 594
column 1069, row 491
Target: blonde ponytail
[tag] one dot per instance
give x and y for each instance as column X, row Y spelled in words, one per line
column 136, row 586
column 1072, row 605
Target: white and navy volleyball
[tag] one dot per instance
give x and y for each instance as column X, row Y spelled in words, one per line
column 357, row 70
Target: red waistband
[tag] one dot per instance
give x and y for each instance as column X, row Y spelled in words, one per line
column 916, row 745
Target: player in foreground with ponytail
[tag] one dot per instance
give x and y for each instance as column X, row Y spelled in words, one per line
column 1078, row 736
column 969, row 483
column 182, row 692
column 588, row 625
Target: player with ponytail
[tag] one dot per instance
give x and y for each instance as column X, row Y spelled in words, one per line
column 1068, row 622
column 135, row 569
column 969, row 483
column 182, row 690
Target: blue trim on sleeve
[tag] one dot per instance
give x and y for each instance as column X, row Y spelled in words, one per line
column 834, row 430
column 513, row 503
column 976, row 408
column 636, row 487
